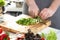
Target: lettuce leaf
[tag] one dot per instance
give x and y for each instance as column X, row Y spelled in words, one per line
column 51, row 35
column 2, row 2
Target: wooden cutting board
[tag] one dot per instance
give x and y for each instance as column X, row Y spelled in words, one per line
column 34, row 28
column 38, row 27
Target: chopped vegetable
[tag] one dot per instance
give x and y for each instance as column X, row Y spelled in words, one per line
column 29, row 21
column 39, row 19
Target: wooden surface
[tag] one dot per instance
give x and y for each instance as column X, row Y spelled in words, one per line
column 38, row 27
column 34, row 28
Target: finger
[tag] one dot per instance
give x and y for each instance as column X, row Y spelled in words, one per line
column 32, row 14
column 46, row 16
column 43, row 14
column 36, row 13
column 49, row 15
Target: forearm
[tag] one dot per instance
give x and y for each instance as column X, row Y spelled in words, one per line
column 30, row 2
column 55, row 5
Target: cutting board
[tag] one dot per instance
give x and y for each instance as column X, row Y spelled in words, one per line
column 11, row 25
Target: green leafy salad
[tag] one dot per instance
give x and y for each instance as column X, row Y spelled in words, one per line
column 29, row 21
column 50, row 36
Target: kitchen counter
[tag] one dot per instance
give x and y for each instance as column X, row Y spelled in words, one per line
column 45, row 30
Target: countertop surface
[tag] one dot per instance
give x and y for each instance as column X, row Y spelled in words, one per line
column 45, row 30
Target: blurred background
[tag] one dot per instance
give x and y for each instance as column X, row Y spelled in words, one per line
column 13, row 7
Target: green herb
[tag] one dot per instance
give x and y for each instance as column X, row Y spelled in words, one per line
column 28, row 21
column 39, row 19
column 2, row 2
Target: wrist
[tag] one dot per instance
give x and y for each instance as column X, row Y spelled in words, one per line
column 53, row 8
column 31, row 3
column 55, row 4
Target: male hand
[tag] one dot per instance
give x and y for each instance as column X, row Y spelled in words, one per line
column 33, row 10
column 46, row 13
